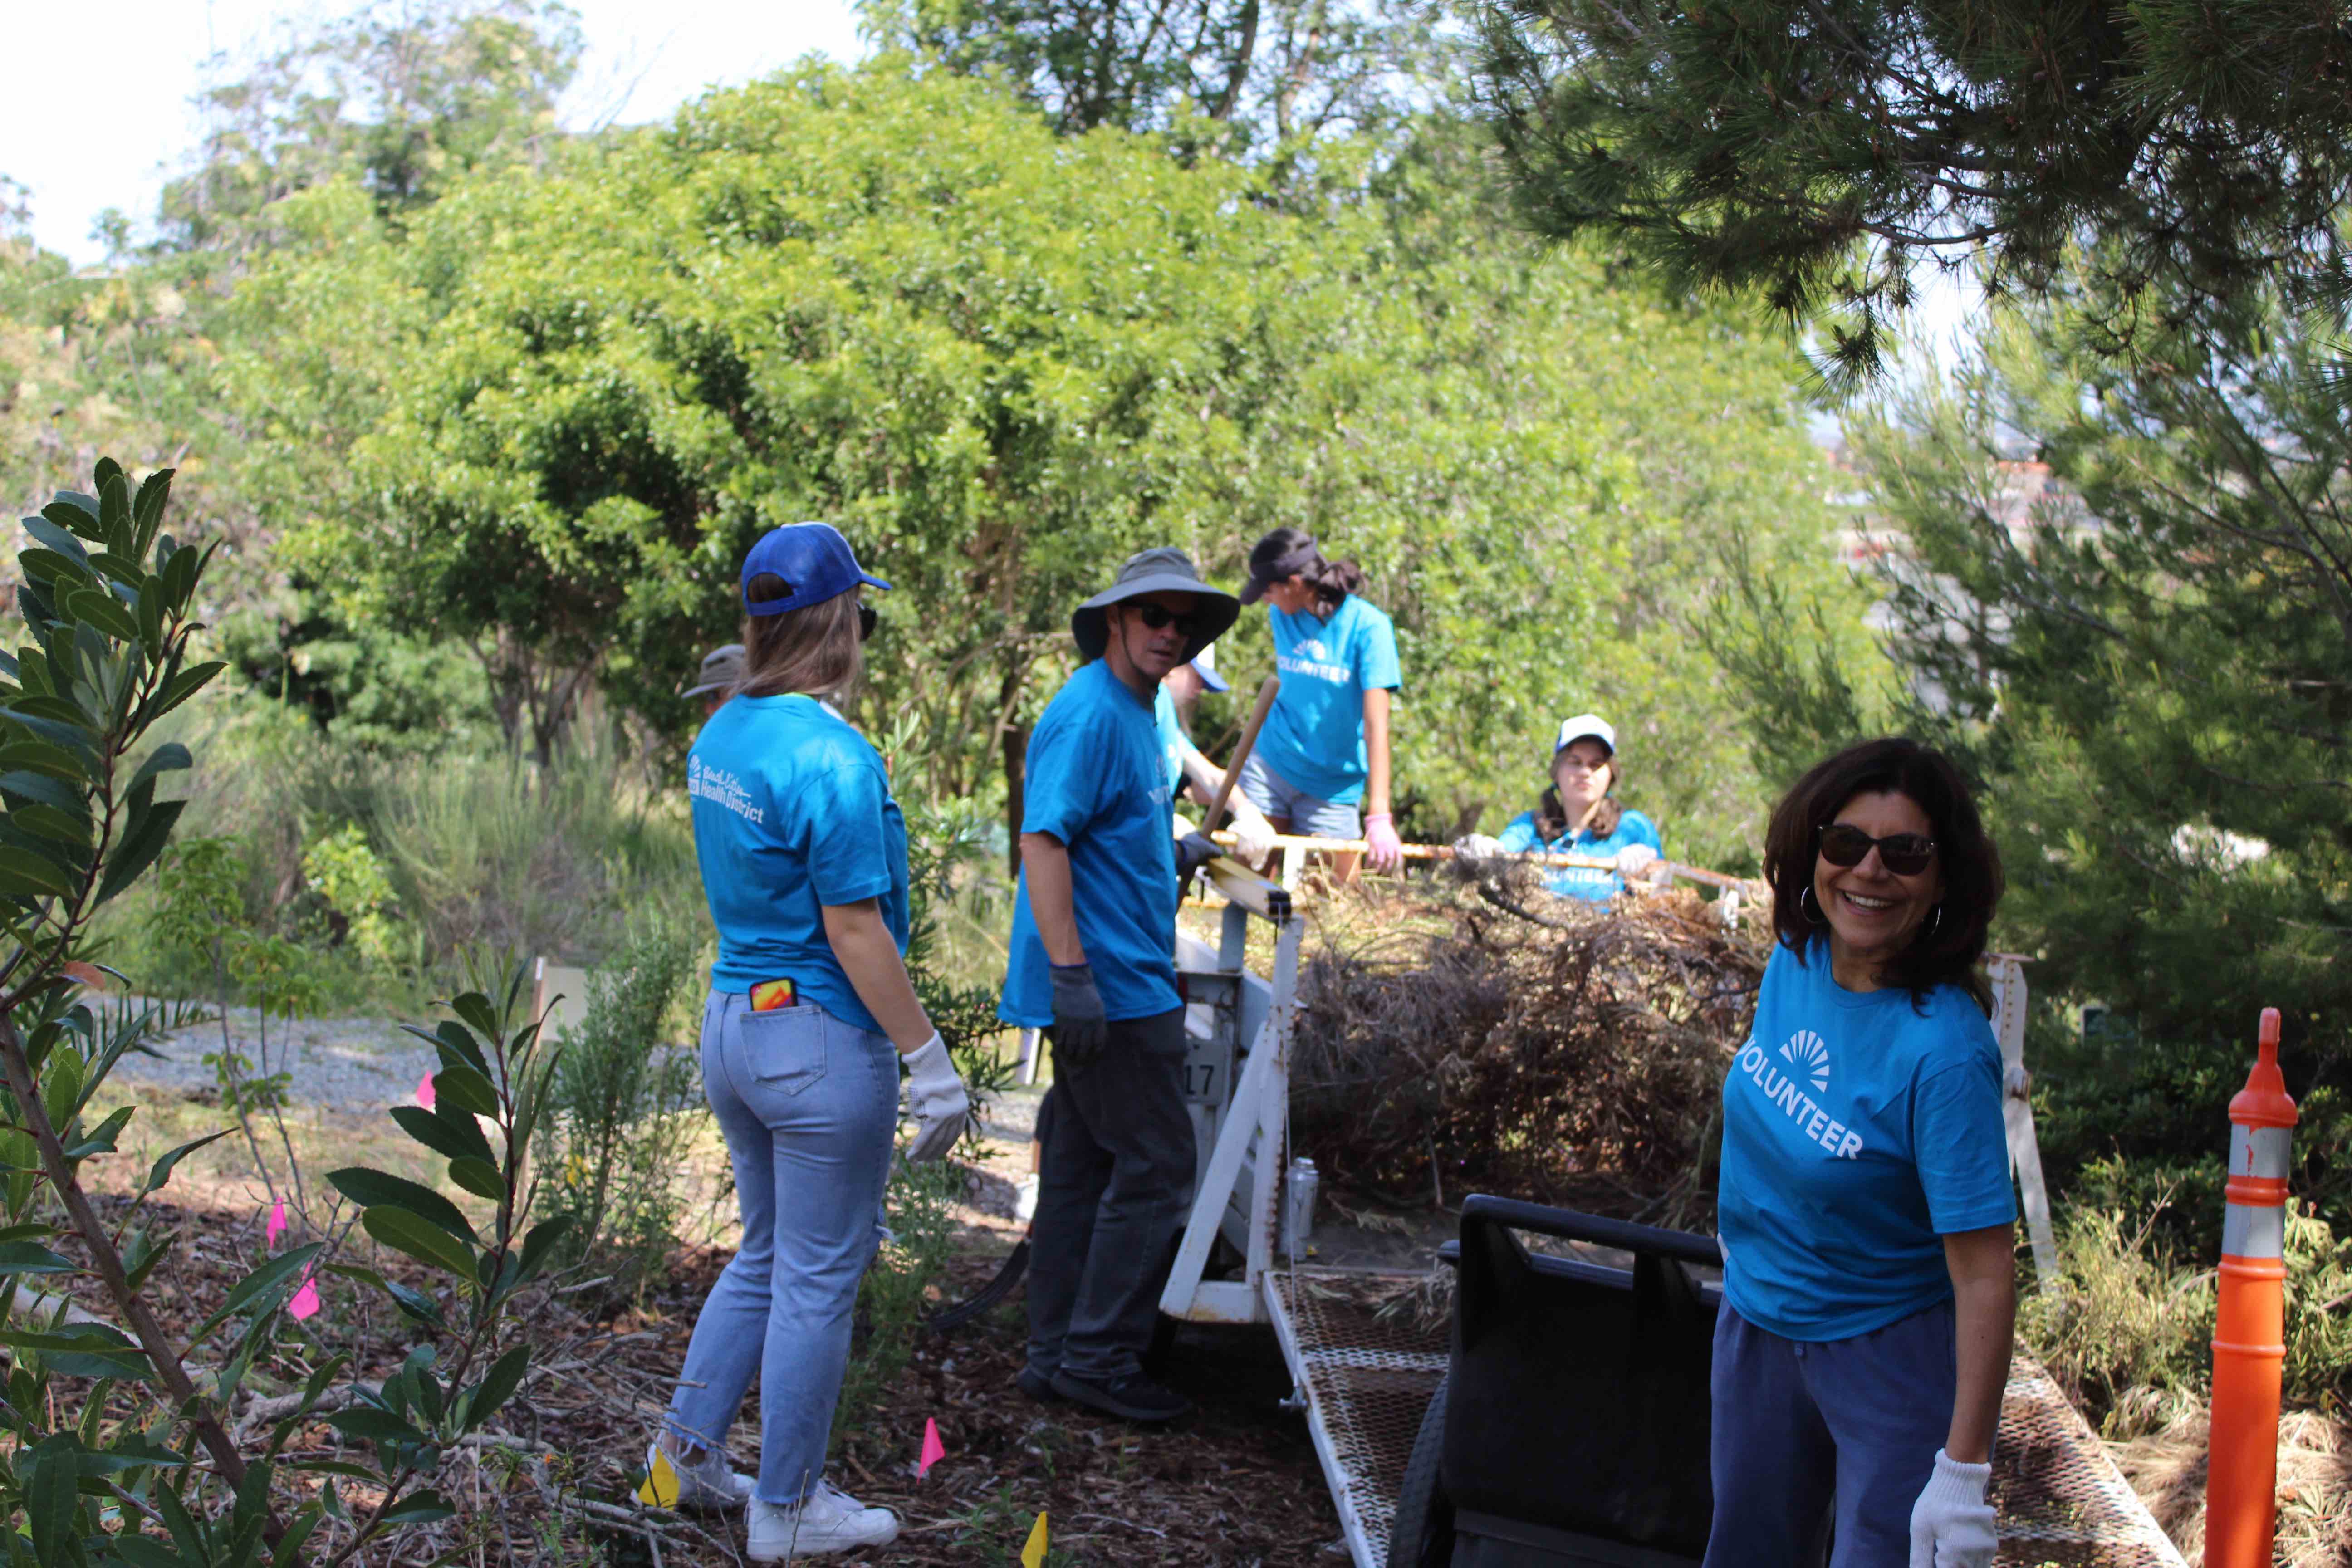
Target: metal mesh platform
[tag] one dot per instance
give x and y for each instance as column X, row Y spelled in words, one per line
column 1368, row 1377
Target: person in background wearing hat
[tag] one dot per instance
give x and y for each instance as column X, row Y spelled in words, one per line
column 1093, row 963
column 1579, row 814
column 722, row 672
column 1172, row 710
column 1325, row 748
column 804, row 857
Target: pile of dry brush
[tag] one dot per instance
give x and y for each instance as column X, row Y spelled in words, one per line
column 1476, row 1034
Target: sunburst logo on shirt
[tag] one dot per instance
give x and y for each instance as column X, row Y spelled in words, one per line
column 1809, row 1054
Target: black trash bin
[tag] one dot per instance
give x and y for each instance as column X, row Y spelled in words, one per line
column 1571, row 1430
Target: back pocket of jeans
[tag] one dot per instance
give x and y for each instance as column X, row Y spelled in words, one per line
column 785, row 1048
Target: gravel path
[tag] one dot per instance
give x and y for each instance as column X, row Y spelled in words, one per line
column 368, row 1063
column 341, row 1064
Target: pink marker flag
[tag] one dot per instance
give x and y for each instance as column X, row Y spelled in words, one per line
column 306, row 1301
column 277, row 1226
column 425, row 1092
column 933, row 1449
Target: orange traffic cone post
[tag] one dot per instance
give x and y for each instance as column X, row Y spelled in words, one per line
column 2250, row 1330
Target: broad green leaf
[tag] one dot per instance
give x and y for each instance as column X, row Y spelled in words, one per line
column 475, row 1010
column 169, row 757
column 181, row 686
column 427, row 1243
column 32, row 1257
column 466, row 1090
column 51, row 1498
column 97, row 607
column 478, row 1177
column 140, row 848
column 497, row 1386
column 416, row 1304
column 536, row 1245
column 161, row 1171
column 372, row 1189
column 456, row 1135
column 59, row 540
column 101, row 1139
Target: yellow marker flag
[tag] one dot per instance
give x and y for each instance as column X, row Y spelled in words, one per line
column 1034, row 1554
column 660, row 1489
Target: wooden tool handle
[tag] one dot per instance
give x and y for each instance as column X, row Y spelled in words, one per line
column 1240, row 753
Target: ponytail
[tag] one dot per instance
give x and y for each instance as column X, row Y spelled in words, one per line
column 1292, row 552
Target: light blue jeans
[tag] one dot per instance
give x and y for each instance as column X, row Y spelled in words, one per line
column 809, row 1106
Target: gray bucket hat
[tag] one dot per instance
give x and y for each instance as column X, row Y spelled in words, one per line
column 1164, row 570
column 723, row 666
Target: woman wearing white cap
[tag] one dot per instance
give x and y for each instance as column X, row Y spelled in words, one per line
column 1579, row 814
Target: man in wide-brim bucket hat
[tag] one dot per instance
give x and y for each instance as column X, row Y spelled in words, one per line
column 1143, row 576
column 1092, row 964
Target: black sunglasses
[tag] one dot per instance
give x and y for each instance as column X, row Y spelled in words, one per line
column 1905, row 854
column 867, row 619
column 1158, row 617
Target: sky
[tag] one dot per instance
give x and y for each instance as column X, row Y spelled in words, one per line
column 645, row 58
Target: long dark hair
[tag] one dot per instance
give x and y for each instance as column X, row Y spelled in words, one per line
column 1552, row 817
column 1947, row 948
column 1279, row 555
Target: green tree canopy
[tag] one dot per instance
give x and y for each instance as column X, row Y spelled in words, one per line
column 1817, row 150
column 558, row 409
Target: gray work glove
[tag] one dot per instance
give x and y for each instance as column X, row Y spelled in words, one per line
column 1193, row 851
column 1478, row 847
column 935, row 1098
column 1080, row 1026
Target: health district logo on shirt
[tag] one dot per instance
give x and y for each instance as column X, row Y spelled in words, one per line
column 718, row 785
column 1804, row 1059
column 1309, row 657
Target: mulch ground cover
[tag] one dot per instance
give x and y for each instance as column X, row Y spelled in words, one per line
column 1235, row 1485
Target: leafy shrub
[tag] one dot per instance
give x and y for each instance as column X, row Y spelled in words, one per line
column 896, row 1294
column 91, row 1468
column 621, row 1122
column 345, row 873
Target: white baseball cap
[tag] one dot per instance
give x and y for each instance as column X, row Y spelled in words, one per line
column 1586, row 726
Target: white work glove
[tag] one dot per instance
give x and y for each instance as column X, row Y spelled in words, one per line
column 1951, row 1525
column 2016, row 1082
column 1252, row 834
column 1635, row 859
column 1477, row 847
column 935, row 1098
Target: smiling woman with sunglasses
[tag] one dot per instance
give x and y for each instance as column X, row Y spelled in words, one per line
column 1866, row 1223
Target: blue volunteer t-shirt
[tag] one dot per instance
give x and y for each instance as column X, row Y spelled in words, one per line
column 1172, row 739
column 1315, row 736
column 792, row 812
column 1096, row 779
column 1858, row 1130
column 1582, row 881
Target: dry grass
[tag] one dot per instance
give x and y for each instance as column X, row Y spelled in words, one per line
column 1476, row 1034
column 2314, row 1486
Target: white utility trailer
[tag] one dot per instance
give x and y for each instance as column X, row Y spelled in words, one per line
column 1363, row 1378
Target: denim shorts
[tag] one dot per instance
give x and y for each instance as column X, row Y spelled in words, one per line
column 1308, row 816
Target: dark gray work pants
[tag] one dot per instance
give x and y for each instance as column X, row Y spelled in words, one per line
column 1113, row 1178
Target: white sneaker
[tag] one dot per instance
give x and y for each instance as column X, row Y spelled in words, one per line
column 1024, row 1199
column 830, row 1520
column 707, row 1485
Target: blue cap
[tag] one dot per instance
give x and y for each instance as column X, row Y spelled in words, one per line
column 1204, row 665
column 812, row 558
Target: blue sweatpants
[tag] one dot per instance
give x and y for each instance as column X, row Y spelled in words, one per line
column 1806, row 1433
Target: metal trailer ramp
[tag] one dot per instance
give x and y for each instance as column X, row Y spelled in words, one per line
column 1366, row 1379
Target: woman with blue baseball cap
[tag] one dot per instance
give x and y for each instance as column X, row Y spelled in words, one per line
column 804, row 857
column 1579, row 814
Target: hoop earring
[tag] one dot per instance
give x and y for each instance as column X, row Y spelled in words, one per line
column 1810, row 907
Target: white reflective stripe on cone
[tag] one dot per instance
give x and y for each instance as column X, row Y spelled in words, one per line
column 2260, row 1151
column 2253, row 1232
